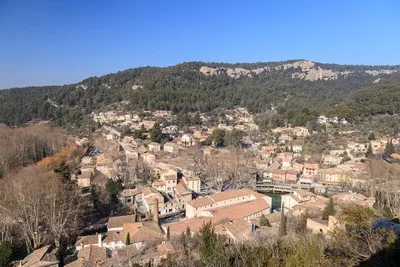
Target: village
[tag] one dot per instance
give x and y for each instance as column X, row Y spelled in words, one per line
column 173, row 180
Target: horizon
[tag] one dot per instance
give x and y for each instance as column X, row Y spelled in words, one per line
column 69, row 41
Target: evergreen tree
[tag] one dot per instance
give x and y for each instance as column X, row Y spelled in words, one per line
column 389, row 149
column 212, row 251
column 63, row 170
column 264, row 221
column 128, row 239
column 372, row 136
column 282, row 225
column 156, row 133
column 329, row 210
column 5, row 254
column 168, row 234
column 217, row 138
column 188, row 234
column 369, row 152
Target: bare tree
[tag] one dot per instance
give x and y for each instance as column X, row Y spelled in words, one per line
column 45, row 209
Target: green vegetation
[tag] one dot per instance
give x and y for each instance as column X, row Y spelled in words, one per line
column 6, row 252
column 182, row 89
column 264, row 221
column 114, row 188
column 156, row 134
column 329, row 210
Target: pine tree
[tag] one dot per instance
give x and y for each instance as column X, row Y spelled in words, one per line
column 372, row 136
column 156, row 133
column 389, row 149
column 188, row 234
column 168, row 234
column 128, row 239
column 282, row 225
column 329, row 210
column 369, row 152
column 264, row 221
column 212, row 251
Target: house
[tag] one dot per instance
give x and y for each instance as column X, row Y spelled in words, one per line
column 170, row 147
column 160, row 185
column 353, row 199
column 298, row 196
column 310, row 170
column 334, row 175
column 187, row 139
column 301, row 131
column 322, row 119
column 90, row 256
column 148, row 124
column 127, row 196
column 116, row 223
column 318, row 226
column 183, row 195
column 297, row 148
column 377, row 146
column 170, row 177
column 104, row 164
column 141, row 233
column 247, row 210
column 193, row 183
column 267, row 152
column 195, row 207
column 85, row 178
column 148, row 157
column 154, row 147
column 236, row 230
column 332, row 160
column 43, row 257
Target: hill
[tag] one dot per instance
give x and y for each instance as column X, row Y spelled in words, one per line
column 291, row 87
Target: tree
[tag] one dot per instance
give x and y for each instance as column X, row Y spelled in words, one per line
column 389, row 149
column 369, row 152
column 329, row 210
column 264, row 221
column 6, row 252
column 371, row 136
column 282, row 225
column 114, row 188
column 63, row 170
column 128, row 239
column 217, row 137
column 212, row 251
column 156, row 133
column 234, row 138
column 168, row 234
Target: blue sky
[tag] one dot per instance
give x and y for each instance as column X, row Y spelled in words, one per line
column 64, row 41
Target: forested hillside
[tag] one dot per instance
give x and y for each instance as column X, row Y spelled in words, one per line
column 183, row 88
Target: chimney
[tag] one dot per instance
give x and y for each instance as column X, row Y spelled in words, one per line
column 100, row 240
column 155, row 210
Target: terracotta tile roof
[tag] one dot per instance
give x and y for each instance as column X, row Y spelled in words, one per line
column 118, row 221
column 130, row 192
column 182, row 189
column 311, row 166
column 230, row 194
column 40, row 257
column 236, row 228
column 113, row 236
column 200, row 202
column 87, row 240
column 93, row 254
column 142, row 232
column 149, row 190
column 158, row 183
column 177, row 228
column 166, row 247
column 238, row 211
